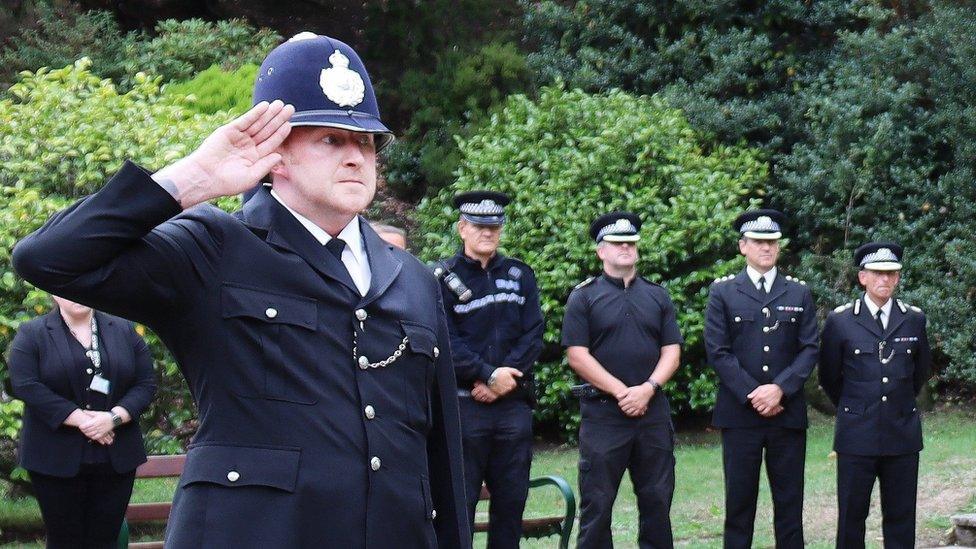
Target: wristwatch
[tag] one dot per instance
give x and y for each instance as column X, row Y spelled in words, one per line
column 492, row 378
column 116, row 419
column 656, row 385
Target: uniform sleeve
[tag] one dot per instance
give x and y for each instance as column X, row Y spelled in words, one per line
column 445, row 465
column 792, row 378
column 718, row 346
column 526, row 350
column 113, row 252
column 923, row 359
column 25, row 378
column 670, row 332
column 468, row 365
column 576, row 321
column 831, row 358
column 140, row 394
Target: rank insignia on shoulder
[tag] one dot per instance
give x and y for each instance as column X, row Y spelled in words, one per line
column 905, row 306
column 724, row 278
column 584, row 283
column 842, row 308
column 795, row 279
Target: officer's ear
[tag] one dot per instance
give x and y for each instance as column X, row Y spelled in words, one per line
column 742, row 246
column 461, row 224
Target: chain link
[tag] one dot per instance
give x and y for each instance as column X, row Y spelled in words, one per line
column 381, row 364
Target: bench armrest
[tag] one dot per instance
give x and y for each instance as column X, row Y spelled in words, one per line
column 569, row 498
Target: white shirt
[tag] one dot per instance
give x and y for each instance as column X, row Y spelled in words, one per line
column 353, row 255
column 754, row 276
column 873, row 309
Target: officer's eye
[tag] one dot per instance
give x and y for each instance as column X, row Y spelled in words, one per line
column 365, row 140
column 330, row 140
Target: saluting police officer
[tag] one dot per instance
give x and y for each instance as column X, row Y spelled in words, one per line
column 874, row 360
column 317, row 354
column 621, row 336
column 761, row 339
column 496, row 336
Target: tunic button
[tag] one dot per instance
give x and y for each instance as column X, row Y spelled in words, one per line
column 363, row 362
column 738, row 319
column 765, row 368
column 361, row 315
column 370, row 412
column 846, row 409
column 233, row 476
column 909, row 351
column 765, row 310
column 793, row 319
column 857, row 351
column 433, row 514
column 884, row 399
column 374, row 463
column 88, row 406
column 765, row 329
column 88, row 371
column 271, row 312
column 437, row 352
column 884, row 380
column 766, row 348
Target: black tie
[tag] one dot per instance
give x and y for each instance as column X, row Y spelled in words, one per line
column 762, row 284
column 877, row 317
column 335, row 246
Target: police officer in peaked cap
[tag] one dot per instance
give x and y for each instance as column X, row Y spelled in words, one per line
column 874, row 360
column 761, row 339
column 621, row 336
column 318, row 355
column 496, row 326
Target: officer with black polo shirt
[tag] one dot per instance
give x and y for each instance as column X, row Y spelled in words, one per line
column 874, row 360
column 761, row 339
column 496, row 337
column 621, row 336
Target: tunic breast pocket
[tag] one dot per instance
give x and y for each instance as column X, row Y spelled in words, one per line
column 417, row 373
column 273, row 327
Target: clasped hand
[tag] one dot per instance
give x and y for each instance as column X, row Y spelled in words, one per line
column 633, row 401
column 97, row 426
column 766, row 399
column 506, row 380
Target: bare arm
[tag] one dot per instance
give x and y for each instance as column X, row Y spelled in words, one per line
column 590, row 369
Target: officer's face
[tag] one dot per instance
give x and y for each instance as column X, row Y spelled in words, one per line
column 619, row 255
column 328, row 170
column 879, row 285
column 70, row 307
column 480, row 240
column 760, row 254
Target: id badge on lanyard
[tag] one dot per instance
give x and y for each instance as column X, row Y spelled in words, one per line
column 99, row 384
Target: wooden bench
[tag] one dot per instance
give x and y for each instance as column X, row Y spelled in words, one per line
column 561, row 525
column 172, row 466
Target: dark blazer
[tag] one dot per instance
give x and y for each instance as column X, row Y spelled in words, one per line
column 753, row 338
column 51, row 386
column 876, row 410
column 325, row 417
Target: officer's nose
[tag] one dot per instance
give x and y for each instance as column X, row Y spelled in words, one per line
column 353, row 156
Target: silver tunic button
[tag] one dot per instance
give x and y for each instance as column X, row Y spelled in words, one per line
column 361, row 315
column 433, row 514
column 89, row 370
column 884, row 399
column 765, row 329
column 884, row 380
column 765, row 368
column 738, row 319
column 370, row 412
column 271, row 312
column 363, row 362
column 909, row 351
column 857, row 351
column 233, row 476
column 765, row 311
column 846, row 409
column 766, row 348
column 437, row 352
column 375, row 463
column 793, row 319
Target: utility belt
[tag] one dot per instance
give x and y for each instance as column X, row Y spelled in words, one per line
column 585, row 391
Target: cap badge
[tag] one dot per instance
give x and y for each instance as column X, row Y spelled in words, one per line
column 342, row 86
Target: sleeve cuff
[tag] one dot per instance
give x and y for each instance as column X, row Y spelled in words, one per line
column 485, row 372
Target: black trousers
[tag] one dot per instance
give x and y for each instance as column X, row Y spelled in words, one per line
column 743, row 450
column 84, row 511
column 645, row 447
column 498, row 452
column 898, row 477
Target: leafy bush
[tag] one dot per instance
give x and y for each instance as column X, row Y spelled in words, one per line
column 62, row 134
column 216, row 89
column 570, row 156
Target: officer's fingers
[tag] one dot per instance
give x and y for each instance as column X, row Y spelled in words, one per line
column 272, row 142
column 244, row 121
column 280, row 118
column 267, row 116
column 264, row 165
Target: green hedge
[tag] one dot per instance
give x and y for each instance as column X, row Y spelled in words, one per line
column 569, row 156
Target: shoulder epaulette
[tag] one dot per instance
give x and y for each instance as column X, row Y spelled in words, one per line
column 645, row 279
column 904, row 306
column 724, row 278
column 795, row 279
column 584, row 283
column 844, row 307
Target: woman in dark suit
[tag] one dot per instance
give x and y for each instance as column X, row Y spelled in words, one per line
column 84, row 377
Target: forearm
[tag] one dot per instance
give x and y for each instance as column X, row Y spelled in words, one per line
column 667, row 365
column 590, row 369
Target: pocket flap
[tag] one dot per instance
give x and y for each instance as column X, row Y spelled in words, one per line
column 420, row 338
column 238, row 301
column 230, row 465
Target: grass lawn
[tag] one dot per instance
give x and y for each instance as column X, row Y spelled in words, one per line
column 947, row 486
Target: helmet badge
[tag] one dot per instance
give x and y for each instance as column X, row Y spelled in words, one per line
column 342, row 86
